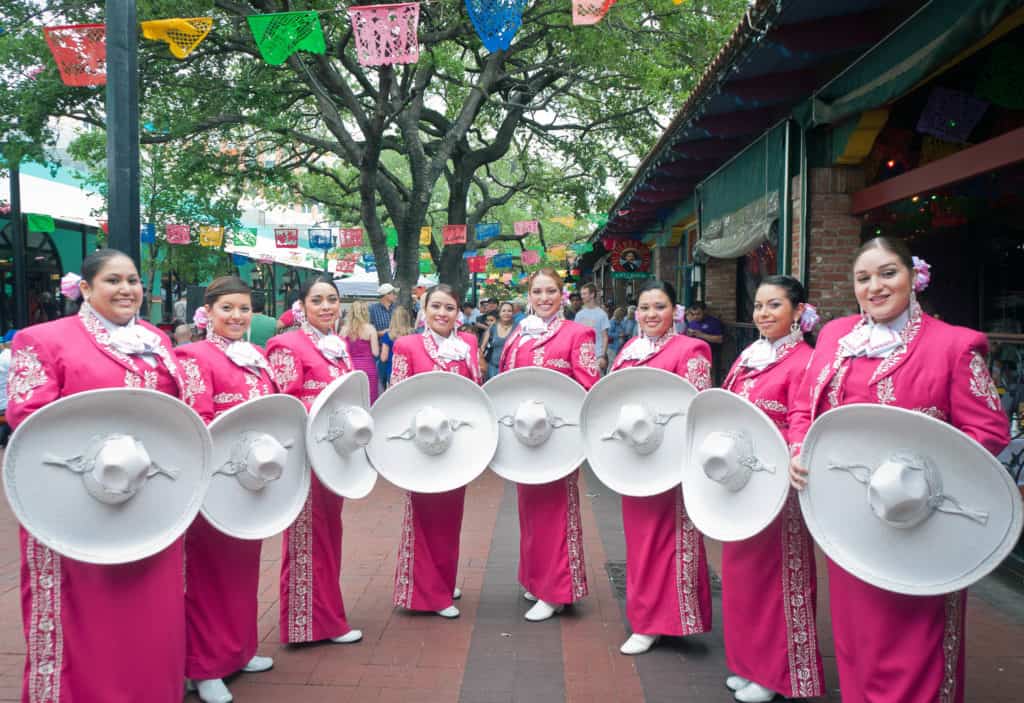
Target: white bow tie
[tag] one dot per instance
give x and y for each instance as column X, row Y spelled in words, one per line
column 246, row 355
column 333, row 347
column 134, row 339
column 872, row 340
column 450, row 348
column 759, row 355
column 532, row 326
column 640, row 349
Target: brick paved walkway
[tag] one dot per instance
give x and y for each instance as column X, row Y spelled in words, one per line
column 491, row 654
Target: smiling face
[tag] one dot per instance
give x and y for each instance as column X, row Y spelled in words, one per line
column 442, row 313
column 654, row 310
column 230, row 315
column 545, row 296
column 882, row 284
column 322, row 307
column 774, row 314
column 115, row 293
column 506, row 313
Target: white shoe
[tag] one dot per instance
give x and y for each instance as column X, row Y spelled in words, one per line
column 457, row 593
column 736, row 683
column 213, row 691
column 258, row 664
column 530, row 597
column 542, row 611
column 754, row 693
column 450, row 612
column 638, row 644
column 349, row 637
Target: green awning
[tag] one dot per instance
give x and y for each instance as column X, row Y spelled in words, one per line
column 924, row 43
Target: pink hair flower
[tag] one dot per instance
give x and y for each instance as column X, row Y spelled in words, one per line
column 201, row 319
column 924, row 274
column 809, row 318
column 679, row 314
column 297, row 312
column 69, row 286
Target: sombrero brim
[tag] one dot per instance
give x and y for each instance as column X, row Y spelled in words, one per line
column 234, row 509
column 562, row 453
column 943, row 554
column 52, row 503
column 352, row 475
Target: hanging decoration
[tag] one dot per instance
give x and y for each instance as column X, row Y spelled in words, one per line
column 526, row 227
column 177, row 234
column 469, row 253
column 557, row 253
column 104, row 226
column 582, row 247
column 182, row 35
column 320, row 238
column 502, row 261
column 239, row 259
column 211, row 235
column 477, row 264
column 589, row 11
column 280, row 35
column 951, row 115
column 629, row 259
column 386, row 34
column 369, row 263
column 40, row 223
column 529, row 257
column 346, row 266
column 80, row 52
column 426, row 236
column 350, row 237
column 565, row 221
column 490, row 253
column 286, row 237
column 245, row 237
column 391, row 237
column 933, row 149
column 496, row 21
column 147, row 233
column 488, row 230
column 454, row 234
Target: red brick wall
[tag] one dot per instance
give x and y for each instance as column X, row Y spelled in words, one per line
column 720, row 288
column 834, row 237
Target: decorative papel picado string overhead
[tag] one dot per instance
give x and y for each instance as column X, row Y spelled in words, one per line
column 496, row 21
column 80, row 52
column 280, row 35
column 211, row 235
column 487, row 230
column 246, row 237
column 589, row 11
column 426, row 236
column 386, row 34
column 183, row 35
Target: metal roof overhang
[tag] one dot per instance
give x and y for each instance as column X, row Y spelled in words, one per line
column 782, row 51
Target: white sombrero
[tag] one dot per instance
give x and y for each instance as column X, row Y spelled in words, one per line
column 735, row 471
column 538, row 413
column 906, row 502
column 435, row 432
column 634, row 429
column 260, row 480
column 109, row 476
column 337, row 433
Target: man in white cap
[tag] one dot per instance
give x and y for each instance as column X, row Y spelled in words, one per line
column 380, row 312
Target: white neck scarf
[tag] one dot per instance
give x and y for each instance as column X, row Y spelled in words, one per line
column 645, row 347
column 874, row 340
column 246, row 355
column 450, row 348
column 762, row 353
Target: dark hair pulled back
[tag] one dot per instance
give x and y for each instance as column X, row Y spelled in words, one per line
column 94, row 262
column 889, row 244
column 657, row 284
column 795, row 291
column 225, row 285
column 442, row 288
column 308, row 284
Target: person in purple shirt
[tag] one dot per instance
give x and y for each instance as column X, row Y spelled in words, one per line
column 701, row 325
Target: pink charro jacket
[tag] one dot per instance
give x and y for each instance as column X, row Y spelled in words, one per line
column 774, row 388
column 213, row 382
column 300, row 369
column 417, row 353
column 567, row 347
column 940, row 370
column 684, row 356
column 72, row 355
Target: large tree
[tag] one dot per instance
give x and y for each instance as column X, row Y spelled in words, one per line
column 588, row 100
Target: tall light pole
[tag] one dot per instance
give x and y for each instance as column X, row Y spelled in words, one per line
column 122, row 112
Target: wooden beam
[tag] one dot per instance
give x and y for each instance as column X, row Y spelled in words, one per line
column 994, row 154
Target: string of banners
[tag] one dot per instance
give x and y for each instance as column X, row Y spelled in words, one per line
column 383, row 34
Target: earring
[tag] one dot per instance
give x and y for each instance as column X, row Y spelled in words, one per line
column 795, row 327
column 913, row 299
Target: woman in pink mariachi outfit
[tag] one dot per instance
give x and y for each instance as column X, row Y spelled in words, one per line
column 769, row 582
column 893, row 648
column 222, row 573
column 111, row 633
column 668, row 591
column 304, row 362
column 551, row 563
column 428, row 556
